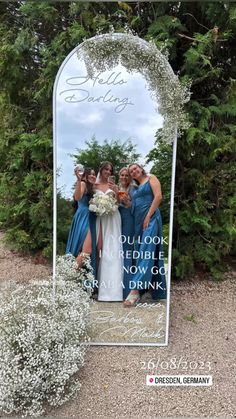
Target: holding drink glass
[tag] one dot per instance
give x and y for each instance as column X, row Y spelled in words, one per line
column 124, row 184
column 122, row 194
column 79, row 170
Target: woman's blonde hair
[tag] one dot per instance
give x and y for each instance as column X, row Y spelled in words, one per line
column 122, row 169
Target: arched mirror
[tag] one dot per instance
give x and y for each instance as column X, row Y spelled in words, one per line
column 115, row 128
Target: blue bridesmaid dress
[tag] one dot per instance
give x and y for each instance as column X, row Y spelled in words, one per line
column 127, row 230
column 83, row 220
column 148, row 242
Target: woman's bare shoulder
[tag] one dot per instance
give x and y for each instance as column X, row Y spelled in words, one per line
column 153, row 177
column 154, row 182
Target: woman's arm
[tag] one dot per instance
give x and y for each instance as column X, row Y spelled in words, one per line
column 80, row 188
column 156, row 189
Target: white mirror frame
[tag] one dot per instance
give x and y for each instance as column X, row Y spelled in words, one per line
column 100, row 53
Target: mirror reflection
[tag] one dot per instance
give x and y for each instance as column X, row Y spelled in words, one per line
column 108, row 199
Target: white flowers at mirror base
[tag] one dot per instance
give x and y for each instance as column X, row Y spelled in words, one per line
column 43, row 344
column 67, row 268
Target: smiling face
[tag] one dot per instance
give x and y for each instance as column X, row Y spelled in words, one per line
column 106, row 171
column 136, row 172
column 124, row 178
column 92, row 177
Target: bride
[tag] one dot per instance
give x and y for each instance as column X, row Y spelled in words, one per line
column 108, row 232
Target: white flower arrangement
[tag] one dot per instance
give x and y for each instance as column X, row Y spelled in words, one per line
column 43, row 343
column 67, row 268
column 103, row 204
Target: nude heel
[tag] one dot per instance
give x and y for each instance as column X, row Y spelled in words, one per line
column 132, row 300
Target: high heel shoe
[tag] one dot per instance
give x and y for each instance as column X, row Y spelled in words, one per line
column 132, row 300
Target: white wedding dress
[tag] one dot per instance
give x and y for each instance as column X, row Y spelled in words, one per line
column 110, row 269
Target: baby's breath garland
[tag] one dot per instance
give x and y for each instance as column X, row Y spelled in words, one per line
column 104, row 52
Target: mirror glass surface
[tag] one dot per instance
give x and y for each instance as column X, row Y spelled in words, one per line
column 114, row 111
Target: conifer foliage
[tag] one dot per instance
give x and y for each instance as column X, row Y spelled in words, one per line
column 200, row 40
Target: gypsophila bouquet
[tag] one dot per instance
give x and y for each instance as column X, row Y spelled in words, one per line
column 103, row 204
column 43, row 343
column 67, row 269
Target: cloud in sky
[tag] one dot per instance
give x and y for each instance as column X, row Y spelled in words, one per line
column 115, row 105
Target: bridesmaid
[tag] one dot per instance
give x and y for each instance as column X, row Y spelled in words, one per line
column 126, row 191
column 82, row 235
column 148, row 236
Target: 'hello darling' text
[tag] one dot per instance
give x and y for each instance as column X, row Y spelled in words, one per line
column 76, row 94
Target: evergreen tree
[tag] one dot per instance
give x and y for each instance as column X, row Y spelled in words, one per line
column 202, row 51
column 200, row 39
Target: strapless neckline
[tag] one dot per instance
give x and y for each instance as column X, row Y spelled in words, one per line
column 104, row 193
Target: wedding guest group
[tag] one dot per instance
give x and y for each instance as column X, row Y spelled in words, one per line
column 118, row 225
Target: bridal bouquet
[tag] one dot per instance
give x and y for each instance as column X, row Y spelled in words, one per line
column 103, row 204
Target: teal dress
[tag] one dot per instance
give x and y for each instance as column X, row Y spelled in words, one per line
column 150, row 269
column 127, row 231
column 83, row 220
